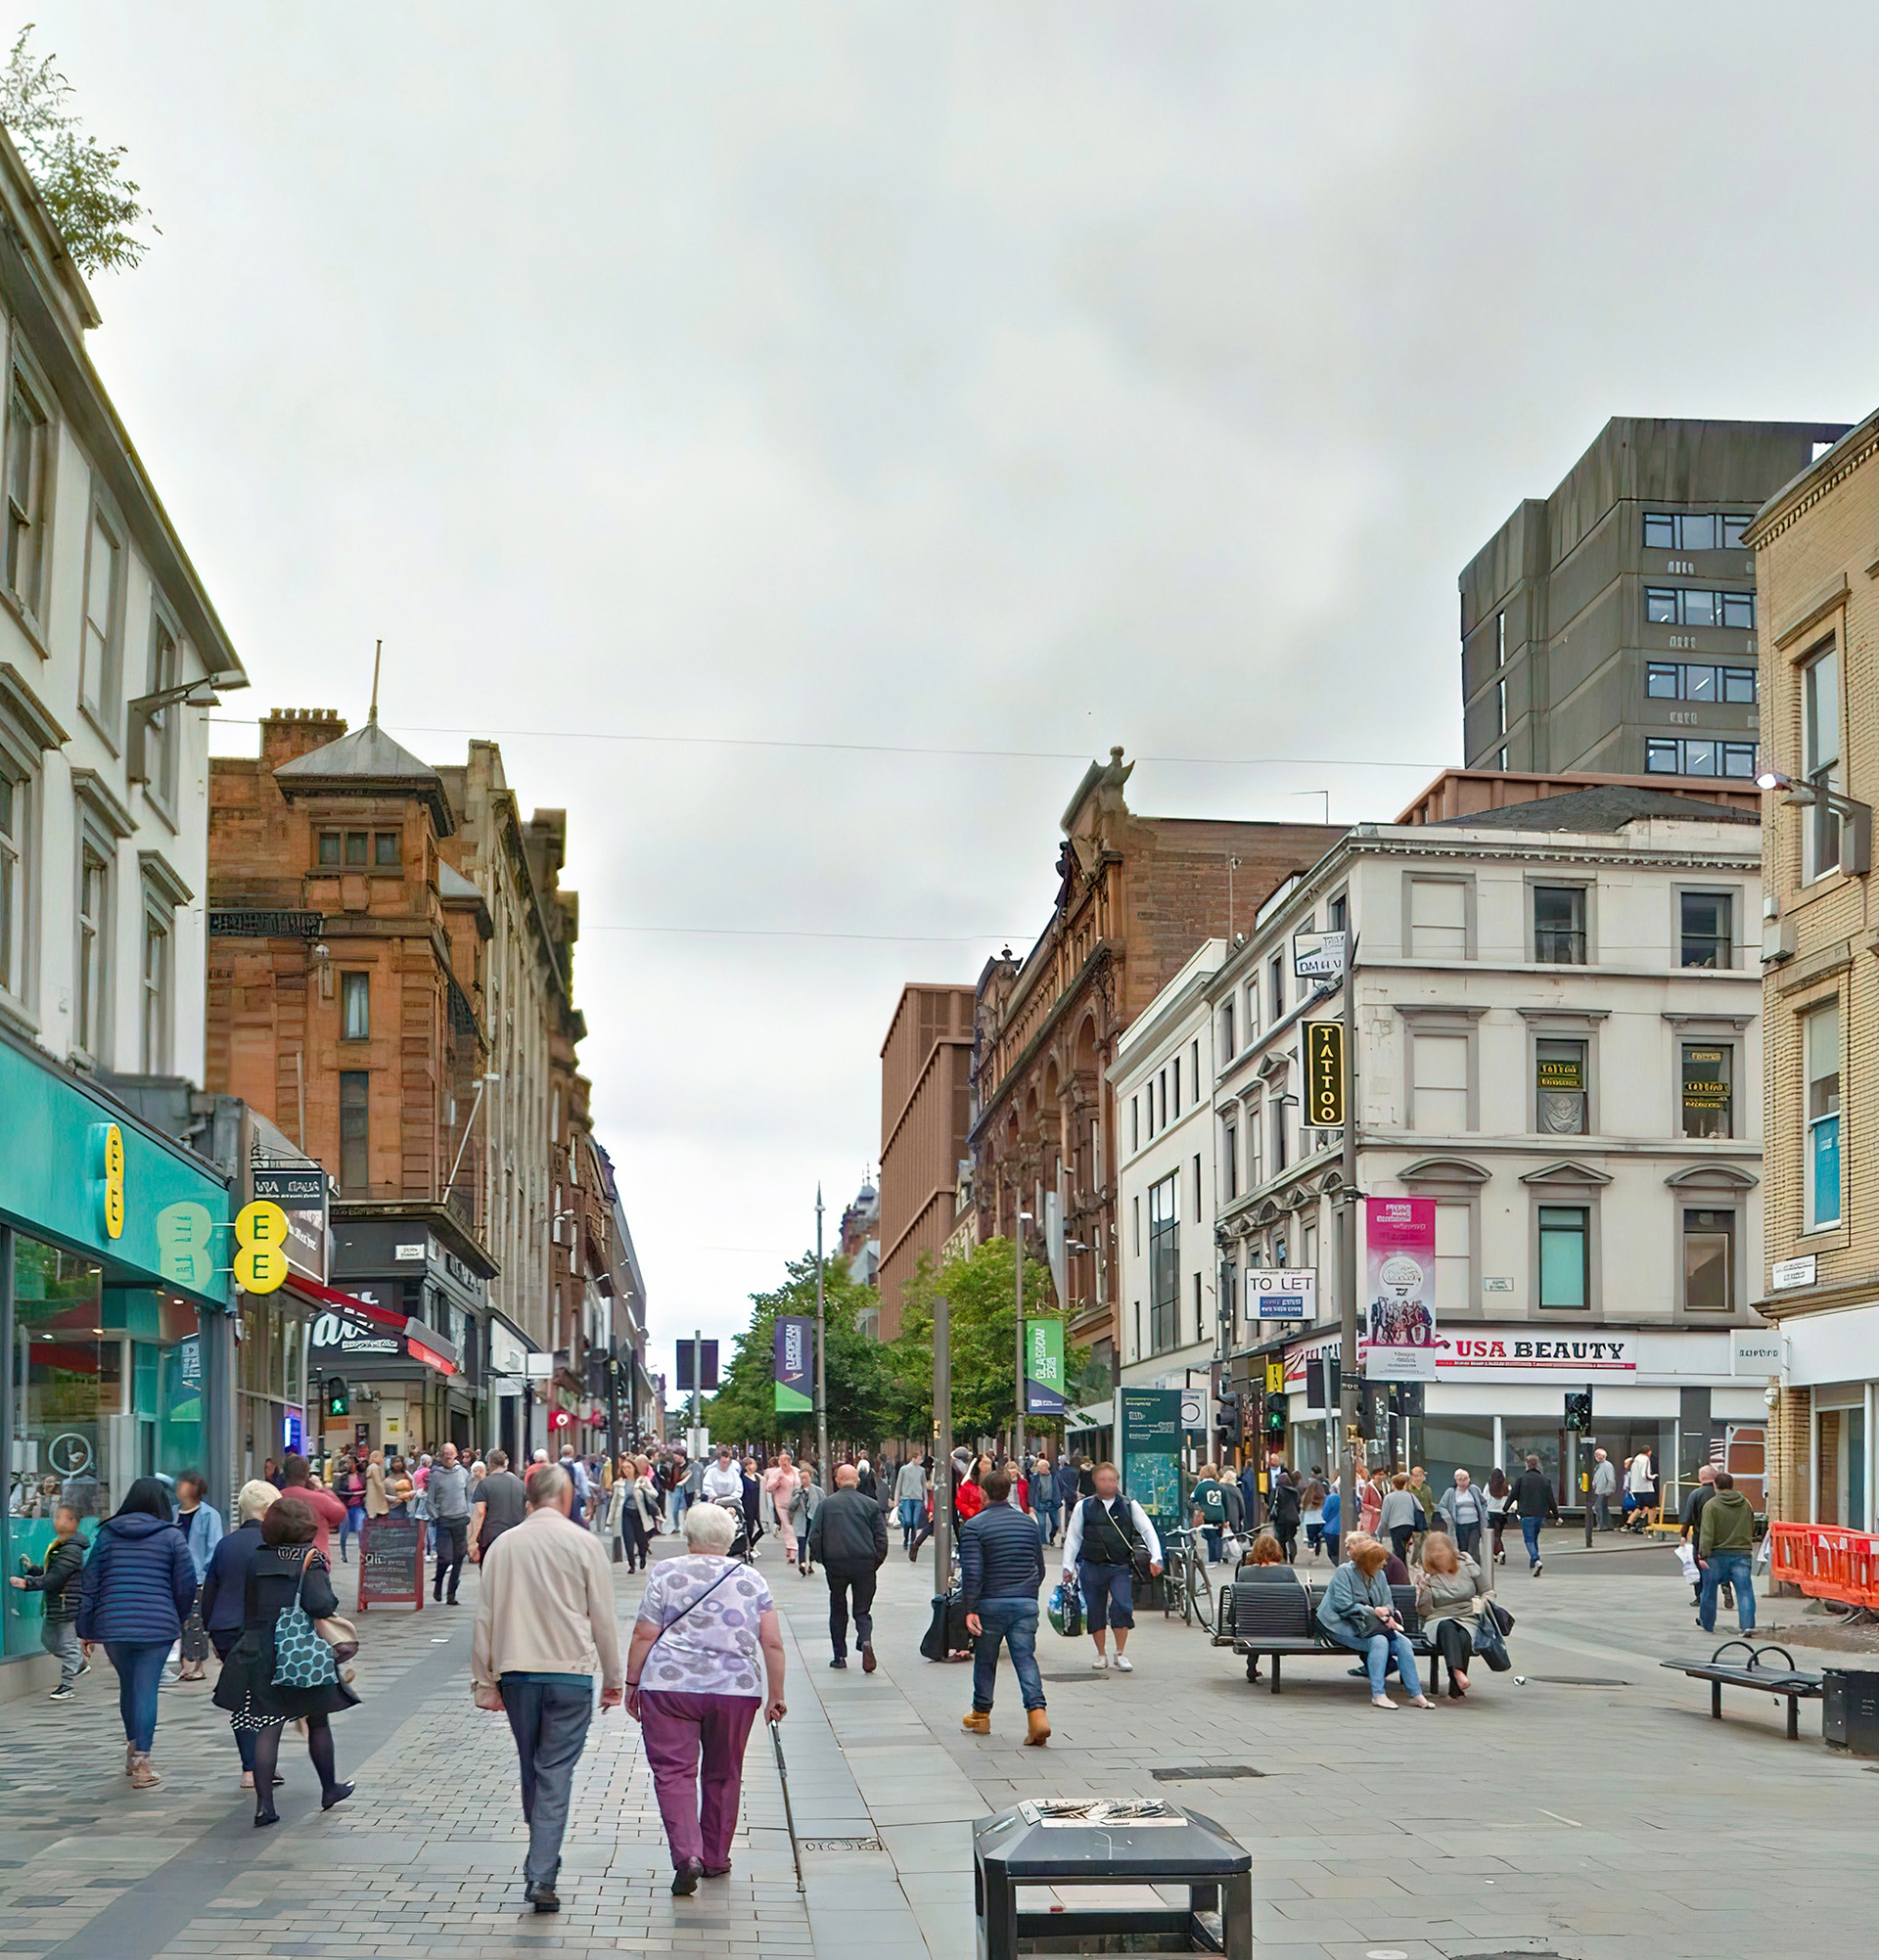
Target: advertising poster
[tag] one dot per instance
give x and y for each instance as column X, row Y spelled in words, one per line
column 794, row 1354
column 1149, row 1445
column 301, row 1194
column 1044, row 1367
column 1397, row 1339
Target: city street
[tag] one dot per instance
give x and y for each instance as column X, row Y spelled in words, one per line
column 1593, row 1813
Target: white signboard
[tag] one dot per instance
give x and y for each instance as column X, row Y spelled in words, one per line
column 1786, row 1273
column 1319, row 955
column 1194, row 1414
column 1756, row 1350
column 1281, row 1293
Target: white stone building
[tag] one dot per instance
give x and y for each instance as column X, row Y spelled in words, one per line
column 1162, row 1080
column 1558, row 1042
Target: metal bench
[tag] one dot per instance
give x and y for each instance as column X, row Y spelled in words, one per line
column 1271, row 1619
column 1788, row 1683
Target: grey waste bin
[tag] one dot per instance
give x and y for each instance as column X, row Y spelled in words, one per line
column 1078, row 1842
column 1850, row 1710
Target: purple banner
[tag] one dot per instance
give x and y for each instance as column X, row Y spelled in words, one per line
column 794, row 1363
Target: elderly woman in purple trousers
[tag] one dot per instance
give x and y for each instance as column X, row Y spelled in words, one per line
column 693, row 1684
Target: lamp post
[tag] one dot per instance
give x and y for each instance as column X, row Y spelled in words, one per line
column 821, row 1362
column 1018, row 1409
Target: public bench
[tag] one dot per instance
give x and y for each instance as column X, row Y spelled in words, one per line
column 1788, row 1683
column 1272, row 1620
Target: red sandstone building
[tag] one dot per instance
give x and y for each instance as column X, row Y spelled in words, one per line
column 925, row 1115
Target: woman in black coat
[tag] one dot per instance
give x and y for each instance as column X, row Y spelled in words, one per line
column 287, row 1567
column 224, row 1599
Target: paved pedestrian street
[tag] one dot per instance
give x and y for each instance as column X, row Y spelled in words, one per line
column 1594, row 1812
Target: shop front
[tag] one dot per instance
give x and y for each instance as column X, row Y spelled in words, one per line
column 1833, row 1356
column 114, row 1312
column 1689, row 1396
column 381, row 1378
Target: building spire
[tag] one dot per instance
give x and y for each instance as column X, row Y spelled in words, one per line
column 372, row 714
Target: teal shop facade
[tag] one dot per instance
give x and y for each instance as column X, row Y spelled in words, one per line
column 115, row 1298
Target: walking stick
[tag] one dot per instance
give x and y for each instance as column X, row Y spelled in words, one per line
column 789, row 1816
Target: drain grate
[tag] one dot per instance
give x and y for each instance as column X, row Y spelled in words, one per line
column 1568, row 1681
column 1205, row 1772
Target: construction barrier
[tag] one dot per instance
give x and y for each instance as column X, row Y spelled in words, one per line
column 1826, row 1562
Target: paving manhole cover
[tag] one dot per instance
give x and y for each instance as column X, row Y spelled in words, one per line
column 1205, row 1772
column 840, row 1844
column 1563, row 1681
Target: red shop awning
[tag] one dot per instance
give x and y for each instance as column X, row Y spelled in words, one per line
column 422, row 1343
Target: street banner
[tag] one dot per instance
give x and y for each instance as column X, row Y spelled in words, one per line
column 1043, row 1367
column 1398, row 1341
column 795, row 1352
column 1148, row 1441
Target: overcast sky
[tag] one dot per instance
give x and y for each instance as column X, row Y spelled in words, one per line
column 1000, row 376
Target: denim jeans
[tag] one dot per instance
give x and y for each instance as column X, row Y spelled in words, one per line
column 1729, row 1568
column 549, row 1721
column 1212, row 1533
column 1377, row 1653
column 1049, row 1517
column 352, row 1527
column 1467, row 1538
column 140, row 1667
column 1014, row 1622
column 1109, row 1595
column 453, row 1542
column 909, row 1519
column 1529, row 1531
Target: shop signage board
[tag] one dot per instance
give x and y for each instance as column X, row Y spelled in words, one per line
column 795, row 1348
column 391, row 1563
column 1324, row 1078
column 1148, row 1432
column 1755, row 1351
column 1282, row 1293
column 1319, row 955
column 1785, row 1274
column 1044, row 1367
column 300, row 1191
column 1399, row 1335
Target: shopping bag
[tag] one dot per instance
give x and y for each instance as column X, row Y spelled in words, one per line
column 1067, row 1609
column 1686, row 1558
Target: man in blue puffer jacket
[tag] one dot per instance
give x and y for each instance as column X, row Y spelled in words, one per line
column 1002, row 1558
column 138, row 1589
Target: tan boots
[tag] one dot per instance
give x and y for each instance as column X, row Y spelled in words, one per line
column 1038, row 1729
column 978, row 1721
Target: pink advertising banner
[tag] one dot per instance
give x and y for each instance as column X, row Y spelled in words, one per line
column 1397, row 1342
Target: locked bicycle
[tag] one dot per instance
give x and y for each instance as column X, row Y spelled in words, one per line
column 1186, row 1589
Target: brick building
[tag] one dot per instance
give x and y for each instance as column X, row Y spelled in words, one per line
column 926, row 1115
column 1819, row 684
column 1136, row 895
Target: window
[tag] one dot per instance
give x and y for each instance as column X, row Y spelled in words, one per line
column 104, row 619
column 1705, row 929
column 1227, row 1049
column 157, row 920
column 1229, row 1162
column 1687, row 531
column 1821, row 761
column 1136, row 1203
column 1135, row 1130
column 1438, row 919
column 1559, row 924
column 1254, row 1153
column 1439, row 1082
column 15, row 867
column 1199, row 1195
column 1559, row 1088
column 1194, row 1070
column 94, row 945
column 27, row 447
column 355, row 1007
column 1138, row 1332
column 1707, row 1073
column 1200, row 1311
column 1709, row 1260
column 1821, row 1043
column 1337, row 914
column 1454, row 1258
column 1275, row 987
column 1164, row 1264
column 1665, row 757
column 1501, row 645
column 385, row 850
column 355, row 841
column 1500, row 708
column 1565, row 1255
column 1686, row 605
column 355, row 1102
column 1671, row 680
column 329, row 848
column 161, row 735
column 1177, row 1084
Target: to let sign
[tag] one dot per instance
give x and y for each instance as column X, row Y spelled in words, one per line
column 1324, row 1075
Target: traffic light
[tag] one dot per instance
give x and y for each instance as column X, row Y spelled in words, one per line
column 1227, row 1417
column 339, row 1401
column 1275, row 1415
column 1578, row 1412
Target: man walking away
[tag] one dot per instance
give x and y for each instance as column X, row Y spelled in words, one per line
column 1533, row 1499
column 1725, row 1543
column 545, row 1627
column 1693, row 1508
column 725, row 1481
column 501, row 1504
column 1099, row 1555
column 1003, row 1561
column 910, row 1493
column 1466, row 1511
column 448, row 1491
column 849, row 1539
column 57, row 1579
column 1604, row 1488
column 1067, row 1486
column 1043, row 1499
column 577, row 1474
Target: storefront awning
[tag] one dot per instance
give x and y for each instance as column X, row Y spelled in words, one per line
column 421, row 1341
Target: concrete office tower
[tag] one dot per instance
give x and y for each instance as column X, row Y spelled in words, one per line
column 1612, row 626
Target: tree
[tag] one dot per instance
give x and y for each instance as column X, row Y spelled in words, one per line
column 94, row 205
column 744, row 1409
column 983, row 1316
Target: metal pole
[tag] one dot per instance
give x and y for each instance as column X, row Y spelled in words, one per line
column 1018, row 1407
column 1350, row 1385
column 1590, row 1469
column 943, row 1449
column 697, row 1375
column 821, row 1362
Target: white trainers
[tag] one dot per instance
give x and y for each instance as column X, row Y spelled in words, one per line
column 1101, row 1663
column 1124, row 1664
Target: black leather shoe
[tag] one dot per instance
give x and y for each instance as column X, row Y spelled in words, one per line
column 337, row 1794
column 263, row 1818
column 839, row 1662
column 543, row 1899
column 685, row 1878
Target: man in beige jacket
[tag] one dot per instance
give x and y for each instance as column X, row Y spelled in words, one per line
column 545, row 1626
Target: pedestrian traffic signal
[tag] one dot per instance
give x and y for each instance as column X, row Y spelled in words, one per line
column 339, row 1398
column 1275, row 1415
column 1227, row 1418
column 1578, row 1412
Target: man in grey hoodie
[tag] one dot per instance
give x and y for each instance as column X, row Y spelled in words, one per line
column 447, row 1491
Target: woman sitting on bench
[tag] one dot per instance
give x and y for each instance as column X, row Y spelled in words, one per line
column 1358, row 1612
column 1447, row 1588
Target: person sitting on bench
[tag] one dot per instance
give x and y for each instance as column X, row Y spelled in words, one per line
column 1358, row 1612
column 1448, row 1585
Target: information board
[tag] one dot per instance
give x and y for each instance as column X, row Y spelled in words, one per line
column 1148, row 1435
column 391, row 1563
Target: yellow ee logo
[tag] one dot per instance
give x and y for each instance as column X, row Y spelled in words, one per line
column 183, row 1246
column 109, row 1161
column 261, row 1235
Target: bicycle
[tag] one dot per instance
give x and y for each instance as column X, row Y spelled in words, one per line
column 1185, row 1586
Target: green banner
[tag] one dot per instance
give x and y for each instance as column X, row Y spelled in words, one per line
column 1044, row 1367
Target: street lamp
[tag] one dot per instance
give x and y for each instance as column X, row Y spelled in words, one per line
column 1819, row 795
column 141, row 711
column 1018, row 1412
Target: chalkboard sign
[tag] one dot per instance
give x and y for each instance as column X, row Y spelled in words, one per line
column 391, row 1563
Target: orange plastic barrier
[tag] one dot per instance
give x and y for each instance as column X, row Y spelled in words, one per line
column 1826, row 1562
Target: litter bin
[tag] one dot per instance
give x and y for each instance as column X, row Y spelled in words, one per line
column 1850, row 1710
column 1065, row 1843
